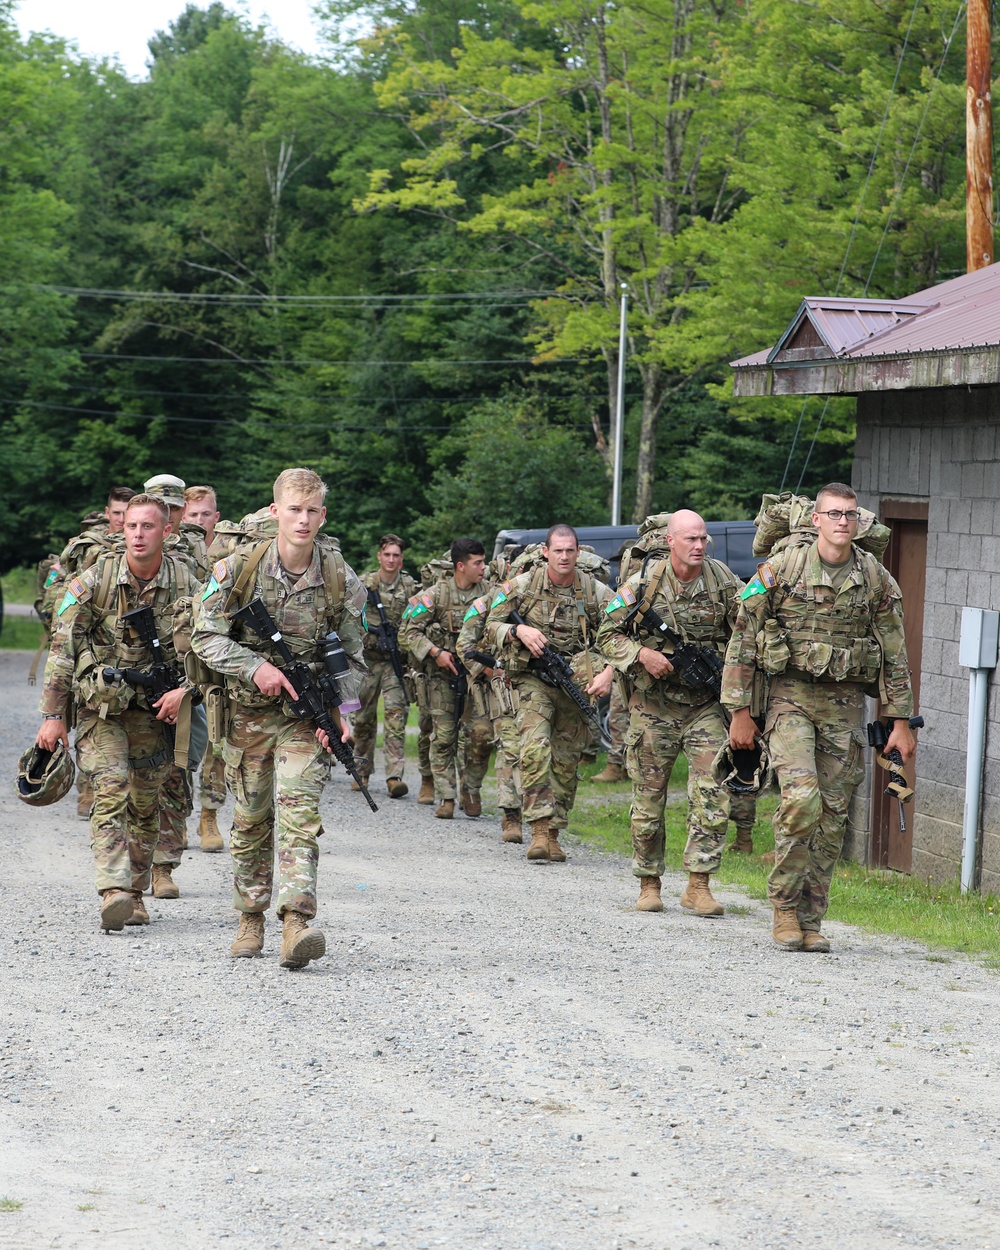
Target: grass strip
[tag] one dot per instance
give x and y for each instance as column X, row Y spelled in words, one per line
column 935, row 914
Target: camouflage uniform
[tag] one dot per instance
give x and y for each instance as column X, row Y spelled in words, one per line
column 497, row 700
column 122, row 745
column 552, row 733
column 434, row 620
column 269, row 751
column 666, row 716
column 617, row 726
column 381, row 678
column 822, row 648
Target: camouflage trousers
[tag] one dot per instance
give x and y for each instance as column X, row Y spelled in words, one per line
column 124, row 821
column 506, row 763
column 380, row 679
column 425, row 724
column 212, row 784
column 275, row 770
column 552, row 735
column 814, row 738
column 444, row 752
column 742, row 810
column 658, row 731
column 176, row 805
column 618, row 718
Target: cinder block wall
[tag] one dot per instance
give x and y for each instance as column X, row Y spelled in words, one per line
column 942, row 446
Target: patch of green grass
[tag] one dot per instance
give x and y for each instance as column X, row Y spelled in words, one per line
column 20, row 633
column 19, row 586
column 87, row 1206
column 936, row 915
column 10, row 1204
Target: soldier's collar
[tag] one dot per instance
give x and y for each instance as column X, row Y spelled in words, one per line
column 313, row 576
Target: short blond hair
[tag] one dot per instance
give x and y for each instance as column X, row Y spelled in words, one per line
column 194, row 493
column 149, row 501
column 300, row 483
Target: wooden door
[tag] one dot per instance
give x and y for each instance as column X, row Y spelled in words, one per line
column 906, row 560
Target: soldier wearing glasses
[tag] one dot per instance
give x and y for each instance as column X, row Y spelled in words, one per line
column 824, row 621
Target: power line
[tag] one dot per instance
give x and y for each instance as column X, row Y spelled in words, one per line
column 218, row 360
column 463, row 299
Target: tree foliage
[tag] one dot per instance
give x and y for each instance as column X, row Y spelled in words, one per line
column 402, row 264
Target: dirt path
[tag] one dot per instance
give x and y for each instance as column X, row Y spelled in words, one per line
column 493, row 1056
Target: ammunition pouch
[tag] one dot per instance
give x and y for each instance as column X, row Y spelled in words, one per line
column 773, row 653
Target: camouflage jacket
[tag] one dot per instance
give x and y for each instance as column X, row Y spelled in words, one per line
column 703, row 611
column 189, row 544
column 304, row 609
column 90, row 635
column 394, row 597
column 793, row 621
column 569, row 616
column 434, row 617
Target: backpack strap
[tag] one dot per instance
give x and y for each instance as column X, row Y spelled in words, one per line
column 333, row 581
column 581, row 612
column 246, row 574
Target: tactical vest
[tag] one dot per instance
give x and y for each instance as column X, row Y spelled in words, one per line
column 394, row 599
column 452, row 605
column 109, row 603
column 564, row 619
column 809, row 634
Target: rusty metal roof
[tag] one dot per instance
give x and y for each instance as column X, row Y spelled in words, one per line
column 960, row 315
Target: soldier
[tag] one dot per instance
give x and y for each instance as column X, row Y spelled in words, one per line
column 120, row 735
column 696, row 597
column 201, row 509
column 187, row 542
column 824, row 620
column 614, row 770
column 492, row 688
column 275, row 766
column 393, row 588
column 562, row 608
column 99, row 534
column 430, row 633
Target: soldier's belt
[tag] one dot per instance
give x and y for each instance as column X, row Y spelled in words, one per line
column 798, row 674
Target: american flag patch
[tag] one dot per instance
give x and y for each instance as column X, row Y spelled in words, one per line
column 219, row 571
column 627, row 595
column 75, row 588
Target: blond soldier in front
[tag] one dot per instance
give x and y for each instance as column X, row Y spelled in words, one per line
column 120, row 736
column 825, row 622
column 275, row 764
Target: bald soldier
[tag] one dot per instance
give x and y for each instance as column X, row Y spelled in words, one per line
column 697, row 597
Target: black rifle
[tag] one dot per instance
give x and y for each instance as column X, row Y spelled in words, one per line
column 554, row 670
column 697, row 666
column 160, row 678
column 878, row 735
column 316, row 695
column 459, row 683
column 480, row 657
column 387, row 637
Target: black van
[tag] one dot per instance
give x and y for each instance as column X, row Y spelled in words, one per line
column 731, row 542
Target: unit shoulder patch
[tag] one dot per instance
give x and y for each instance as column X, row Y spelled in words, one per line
column 219, row 571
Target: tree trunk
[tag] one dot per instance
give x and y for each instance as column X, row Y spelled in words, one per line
column 653, row 395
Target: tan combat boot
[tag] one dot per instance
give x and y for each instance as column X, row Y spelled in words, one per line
column 249, row 936
column 472, row 804
column 139, row 913
column 743, row 844
column 164, row 886
column 364, row 777
column 208, row 831
column 610, row 773
column 556, row 854
column 649, row 895
column 785, row 930
column 510, row 825
column 813, row 940
column 697, row 896
column 446, row 809
column 397, row 788
column 426, row 794
column 538, row 851
column 299, row 943
column 116, row 907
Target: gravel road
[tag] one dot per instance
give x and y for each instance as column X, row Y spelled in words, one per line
column 492, row 1056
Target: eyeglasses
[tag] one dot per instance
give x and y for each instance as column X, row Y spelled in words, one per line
column 837, row 514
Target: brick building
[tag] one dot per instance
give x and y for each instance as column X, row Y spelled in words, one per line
column 926, row 373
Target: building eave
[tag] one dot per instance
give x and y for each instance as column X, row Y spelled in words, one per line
column 966, row 366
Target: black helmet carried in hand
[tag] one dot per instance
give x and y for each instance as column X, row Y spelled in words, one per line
column 44, row 777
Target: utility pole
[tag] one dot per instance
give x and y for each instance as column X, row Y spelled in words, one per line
column 616, row 485
column 978, row 139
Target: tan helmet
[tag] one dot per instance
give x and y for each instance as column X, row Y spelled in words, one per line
column 744, row 771
column 44, row 777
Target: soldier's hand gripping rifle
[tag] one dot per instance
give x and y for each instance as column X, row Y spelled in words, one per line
column 316, row 695
column 697, row 666
column 878, row 735
column 157, row 680
column 554, row 670
column 459, row 683
column 387, row 637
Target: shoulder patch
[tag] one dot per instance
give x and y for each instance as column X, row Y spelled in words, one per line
column 427, row 600
column 753, row 588
column 506, row 587
column 67, row 602
column 767, row 576
column 218, row 572
column 76, row 588
column 627, row 595
column 211, row 588
column 500, row 597
column 475, row 608
column 54, row 572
